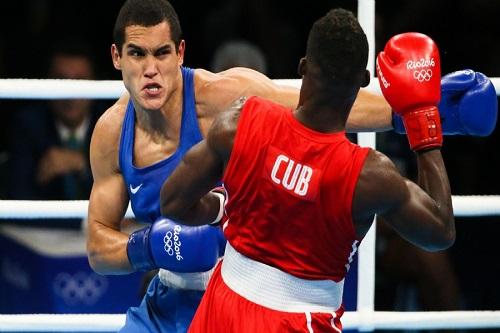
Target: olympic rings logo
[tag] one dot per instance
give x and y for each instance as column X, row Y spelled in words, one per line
column 422, row 75
column 82, row 287
column 172, row 243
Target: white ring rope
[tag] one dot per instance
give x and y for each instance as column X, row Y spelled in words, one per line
column 467, row 205
column 53, row 88
column 31, row 209
column 103, row 89
column 351, row 320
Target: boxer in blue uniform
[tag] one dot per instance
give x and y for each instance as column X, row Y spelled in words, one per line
column 139, row 140
column 189, row 250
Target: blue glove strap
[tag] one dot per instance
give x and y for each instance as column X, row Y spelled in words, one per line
column 138, row 250
column 397, row 124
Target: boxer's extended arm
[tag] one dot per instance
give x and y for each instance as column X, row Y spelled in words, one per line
column 216, row 92
column 423, row 215
column 370, row 112
column 106, row 245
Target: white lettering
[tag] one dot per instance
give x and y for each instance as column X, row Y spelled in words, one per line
column 281, row 158
column 303, row 183
column 173, row 243
column 382, row 77
column 421, row 63
column 296, row 176
column 287, row 182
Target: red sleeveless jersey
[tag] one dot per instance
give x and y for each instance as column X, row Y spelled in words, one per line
column 290, row 192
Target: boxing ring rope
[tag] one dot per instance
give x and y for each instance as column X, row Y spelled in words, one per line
column 364, row 319
column 463, row 206
column 350, row 320
column 103, row 89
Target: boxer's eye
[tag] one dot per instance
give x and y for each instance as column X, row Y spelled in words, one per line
column 166, row 50
column 135, row 53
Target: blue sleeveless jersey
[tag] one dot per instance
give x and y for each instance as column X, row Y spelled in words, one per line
column 144, row 184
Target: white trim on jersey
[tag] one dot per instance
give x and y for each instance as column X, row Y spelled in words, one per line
column 275, row 289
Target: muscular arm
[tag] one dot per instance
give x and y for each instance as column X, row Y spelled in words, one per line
column 185, row 194
column 422, row 214
column 369, row 113
column 216, row 92
column 106, row 245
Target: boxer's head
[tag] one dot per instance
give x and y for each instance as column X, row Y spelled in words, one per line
column 146, row 13
column 149, row 51
column 337, row 54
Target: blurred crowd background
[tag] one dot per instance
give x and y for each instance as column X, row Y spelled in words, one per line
column 71, row 39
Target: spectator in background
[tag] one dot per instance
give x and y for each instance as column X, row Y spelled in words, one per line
column 49, row 141
column 274, row 26
column 239, row 53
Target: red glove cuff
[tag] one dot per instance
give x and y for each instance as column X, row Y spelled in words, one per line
column 423, row 128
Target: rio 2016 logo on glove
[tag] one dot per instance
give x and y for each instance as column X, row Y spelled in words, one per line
column 422, row 74
column 414, row 64
column 172, row 243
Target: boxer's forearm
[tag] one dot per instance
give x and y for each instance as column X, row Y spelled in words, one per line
column 433, row 179
column 369, row 113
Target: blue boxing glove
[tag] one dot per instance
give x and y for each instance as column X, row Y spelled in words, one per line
column 175, row 247
column 468, row 105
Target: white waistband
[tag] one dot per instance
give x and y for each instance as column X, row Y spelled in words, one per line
column 270, row 287
column 188, row 281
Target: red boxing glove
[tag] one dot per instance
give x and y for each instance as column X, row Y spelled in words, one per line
column 409, row 73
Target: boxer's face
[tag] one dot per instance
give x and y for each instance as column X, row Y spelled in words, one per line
column 150, row 64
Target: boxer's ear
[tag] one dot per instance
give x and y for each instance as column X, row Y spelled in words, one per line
column 116, row 56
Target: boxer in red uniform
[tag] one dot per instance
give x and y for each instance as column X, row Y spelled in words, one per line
column 301, row 196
